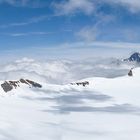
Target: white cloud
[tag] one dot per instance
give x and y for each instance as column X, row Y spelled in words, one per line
column 19, row 34
column 29, row 33
column 15, row 2
column 91, row 33
column 88, row 33
column 28, row 22
column 25, row 3
column 130, row 34
column 120, row 45
column 90, row 6
column 132, row 5
column 72, row 6
column 61, row 71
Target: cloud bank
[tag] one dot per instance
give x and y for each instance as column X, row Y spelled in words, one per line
column 24, row 3
column 89, row 7
column 72, row 6
column 62, row 71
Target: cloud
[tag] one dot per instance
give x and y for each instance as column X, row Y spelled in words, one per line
column 92, row 32
column 130, row 34
column 50, row 72
column 89, row 7
column 120, row 45
column 24, row 3
column 20, row 34
column 67, row 7
column 88, row 33
column 73, row 6
column 16, row 2
column 133, row 6
column 28, row 22
column 53, row 71
column 28, row 34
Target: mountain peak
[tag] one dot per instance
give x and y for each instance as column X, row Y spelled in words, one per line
column 135, row 57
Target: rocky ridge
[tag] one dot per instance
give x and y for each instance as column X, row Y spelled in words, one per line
column 10, row 85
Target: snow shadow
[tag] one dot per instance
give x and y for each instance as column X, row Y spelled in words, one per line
column 70, row 97
column 72, row 100
column 116, row 108
column 76, row 98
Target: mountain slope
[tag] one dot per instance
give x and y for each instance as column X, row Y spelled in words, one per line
column 135, row 57
column 104, row 109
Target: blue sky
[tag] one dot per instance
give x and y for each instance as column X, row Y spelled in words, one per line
column 75, row 26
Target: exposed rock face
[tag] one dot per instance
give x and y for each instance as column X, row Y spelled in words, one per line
column 9, row 85
column 135, row 57
column 34, row 84
column 24, row 81
column 6, row 86
column 130, row 73
column 81, row 83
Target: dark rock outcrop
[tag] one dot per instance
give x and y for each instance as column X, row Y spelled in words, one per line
column 135, row 57
column 34, row 84
column 81, row 83
column 130, row 73
column 24, row 81
column 6, row 86
column 10, row 85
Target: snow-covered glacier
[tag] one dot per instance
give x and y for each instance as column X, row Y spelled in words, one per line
column 106, row 109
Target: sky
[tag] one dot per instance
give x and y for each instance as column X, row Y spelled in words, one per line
column 69, row 28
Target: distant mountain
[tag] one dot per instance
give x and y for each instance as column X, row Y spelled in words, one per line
column 135, row 57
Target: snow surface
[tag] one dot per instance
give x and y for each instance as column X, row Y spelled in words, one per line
column 107, row 109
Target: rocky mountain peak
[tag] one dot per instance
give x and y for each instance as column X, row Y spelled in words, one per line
column 135, row 57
